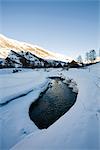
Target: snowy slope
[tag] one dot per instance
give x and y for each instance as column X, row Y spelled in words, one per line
column 15, row 85
column 7, row 43
column 28, row 60
column 14, row 115
column 78, row 129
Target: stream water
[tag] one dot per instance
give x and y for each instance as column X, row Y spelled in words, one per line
column 54, row 103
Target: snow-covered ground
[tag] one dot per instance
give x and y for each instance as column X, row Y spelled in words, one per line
column 78, row 129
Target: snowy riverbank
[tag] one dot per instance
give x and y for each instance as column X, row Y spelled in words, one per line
column 78, row 129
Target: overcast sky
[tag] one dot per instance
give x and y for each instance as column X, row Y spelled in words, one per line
column 67, row 27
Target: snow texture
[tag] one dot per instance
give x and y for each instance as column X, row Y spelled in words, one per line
column 78, row 129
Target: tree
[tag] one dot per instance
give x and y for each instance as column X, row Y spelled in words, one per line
column 87, row 57
column 92, row 55
column 79, row 59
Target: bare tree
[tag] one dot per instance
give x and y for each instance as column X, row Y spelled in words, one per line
column 87, row 57
column 92, row 55
column 79, row 59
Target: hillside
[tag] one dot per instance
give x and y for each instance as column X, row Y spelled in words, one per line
column 6, row 44
column 20, row 54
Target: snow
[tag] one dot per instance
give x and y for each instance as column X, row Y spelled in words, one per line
column 17, row 46
column 18, row 84
column 14, row 118
column 4, row 53
column 78, row 129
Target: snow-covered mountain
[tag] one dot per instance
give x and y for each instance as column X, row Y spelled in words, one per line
column 7, row 44
column 20, row 54
column 28, row 60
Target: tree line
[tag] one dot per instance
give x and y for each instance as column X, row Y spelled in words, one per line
column 90, row 57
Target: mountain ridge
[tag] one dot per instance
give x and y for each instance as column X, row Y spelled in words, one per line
column 6, row 44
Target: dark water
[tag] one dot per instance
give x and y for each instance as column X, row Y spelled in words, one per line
column 54, row 103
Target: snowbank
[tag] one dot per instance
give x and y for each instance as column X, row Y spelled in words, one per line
column 14, row 119
column 79, row 128
column 19, row 84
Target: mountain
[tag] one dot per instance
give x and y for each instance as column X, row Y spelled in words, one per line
column 7, row 44
column 20, row 54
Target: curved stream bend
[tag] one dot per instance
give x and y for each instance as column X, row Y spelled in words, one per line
column 54, row 103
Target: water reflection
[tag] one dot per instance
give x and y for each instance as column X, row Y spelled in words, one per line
column 54, row 103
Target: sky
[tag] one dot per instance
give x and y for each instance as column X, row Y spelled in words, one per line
column 69, row 27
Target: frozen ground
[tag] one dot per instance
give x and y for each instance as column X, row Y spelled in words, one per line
column 78, row 129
